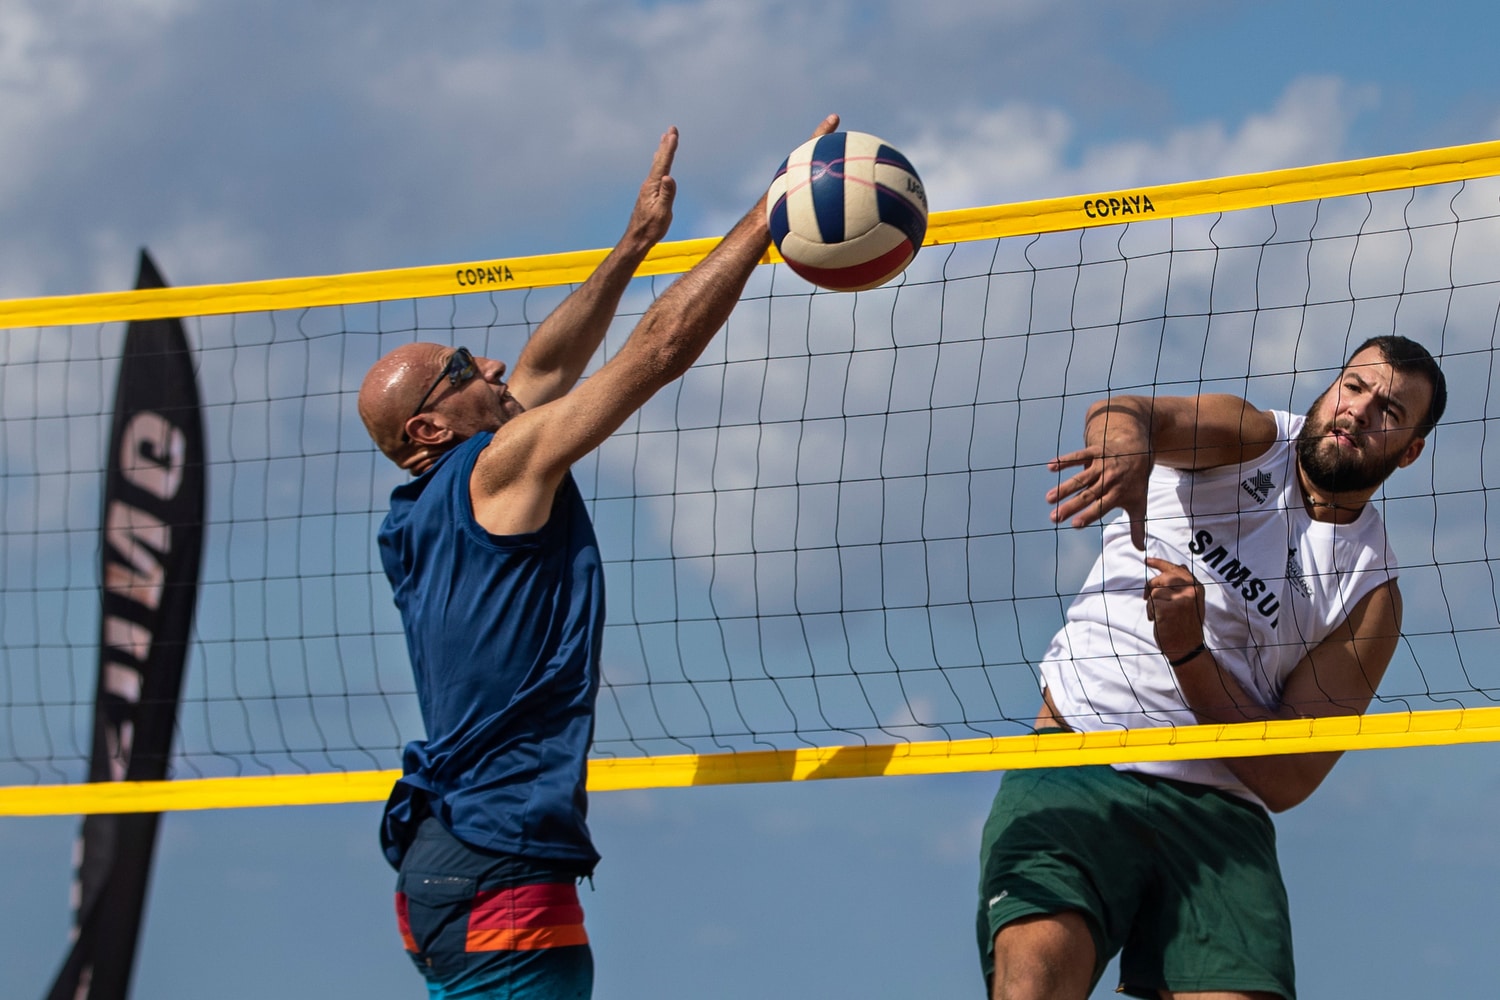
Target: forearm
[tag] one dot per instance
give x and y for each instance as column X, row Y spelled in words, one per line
column 667, row 340
column 1184, row 432
column 1216, row 697
column 1127, row 423
column 680, row 324
column 1337, row 677
column 588, row 311
column 565, row 341
column 560, row 349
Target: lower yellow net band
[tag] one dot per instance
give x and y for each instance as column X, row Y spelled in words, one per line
column 1321, row 735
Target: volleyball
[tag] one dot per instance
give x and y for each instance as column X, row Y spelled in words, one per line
column 847, row 211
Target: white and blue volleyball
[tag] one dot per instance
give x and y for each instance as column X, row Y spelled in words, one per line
column 847, row 211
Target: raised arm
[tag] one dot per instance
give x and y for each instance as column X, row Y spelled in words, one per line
column 1339, row 676
column 516, row 477
column 560, row 348
column 1124, row 436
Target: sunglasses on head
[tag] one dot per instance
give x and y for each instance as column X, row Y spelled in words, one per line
column 459, row 369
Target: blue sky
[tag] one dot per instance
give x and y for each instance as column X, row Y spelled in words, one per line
column 279, row 139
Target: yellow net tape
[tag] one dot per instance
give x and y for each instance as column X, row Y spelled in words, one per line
column 1383, row 173
column 1339, row 733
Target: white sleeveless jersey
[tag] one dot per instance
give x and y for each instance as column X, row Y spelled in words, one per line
column 1276, row 581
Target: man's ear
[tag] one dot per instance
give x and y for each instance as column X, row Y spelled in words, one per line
column 1412, row 452
column 423, row 429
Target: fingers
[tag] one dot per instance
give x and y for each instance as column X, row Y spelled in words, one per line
column 1074, row 485
column 1164, row 566
column 1078, row 509
column 1106, row 482
column 1173, row 590
column 827, row 125
column 1085, row 498
column 652, row 215
column 666, row 152
column 1170, row 574
column 1082, row 456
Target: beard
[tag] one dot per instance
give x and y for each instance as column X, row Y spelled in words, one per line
column 510, row 407
column 1335, row 470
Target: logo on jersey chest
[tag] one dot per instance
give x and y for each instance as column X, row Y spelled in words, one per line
column 1294, row 575
column 1238, row 576
column 1259, row 486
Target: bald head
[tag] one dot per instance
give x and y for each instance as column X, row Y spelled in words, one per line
column 392, row 388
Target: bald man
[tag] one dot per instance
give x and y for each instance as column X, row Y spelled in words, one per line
column 497, row 574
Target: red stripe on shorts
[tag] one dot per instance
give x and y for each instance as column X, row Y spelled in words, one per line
column 526, row 918
column 403, row 921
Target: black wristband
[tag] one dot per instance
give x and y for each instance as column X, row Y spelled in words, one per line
column 1183, row 660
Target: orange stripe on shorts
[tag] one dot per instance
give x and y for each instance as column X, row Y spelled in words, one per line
column 526, row 918
column 403, row 921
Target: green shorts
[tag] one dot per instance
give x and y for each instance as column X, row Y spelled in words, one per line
column 1181, row 880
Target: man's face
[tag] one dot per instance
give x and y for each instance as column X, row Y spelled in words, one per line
column 479, row 401
column 1362, row 428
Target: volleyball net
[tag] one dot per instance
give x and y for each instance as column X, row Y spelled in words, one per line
column 826, row 548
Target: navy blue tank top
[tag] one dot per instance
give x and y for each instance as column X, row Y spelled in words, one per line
column 504, row 634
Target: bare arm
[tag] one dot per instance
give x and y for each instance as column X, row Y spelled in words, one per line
column 557, row 353
column 1124, row 436
column 516, row 477
column 1337, row 677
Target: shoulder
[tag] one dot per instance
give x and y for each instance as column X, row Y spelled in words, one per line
column 1376, row 617
column 437, row 480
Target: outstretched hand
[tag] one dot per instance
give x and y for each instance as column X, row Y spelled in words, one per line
column 652, row 216
column 1107, row 480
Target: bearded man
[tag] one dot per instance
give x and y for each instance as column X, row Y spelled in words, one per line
column 1249, row 579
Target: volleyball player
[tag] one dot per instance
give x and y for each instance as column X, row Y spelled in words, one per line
column 1249, row 579
column 496, row 572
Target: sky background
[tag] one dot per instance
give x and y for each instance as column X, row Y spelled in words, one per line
column 244, row 141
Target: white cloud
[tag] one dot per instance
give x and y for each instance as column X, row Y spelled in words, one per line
column 326, row 140
column 41, row 82
column 979, row 156
column 1308, row 124
column 1015, row 152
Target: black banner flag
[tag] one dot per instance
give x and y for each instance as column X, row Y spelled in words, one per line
column 154, row 497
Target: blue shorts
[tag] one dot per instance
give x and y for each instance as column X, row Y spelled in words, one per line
column 484, row 926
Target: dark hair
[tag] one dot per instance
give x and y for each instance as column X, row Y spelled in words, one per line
column 1410, row 358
